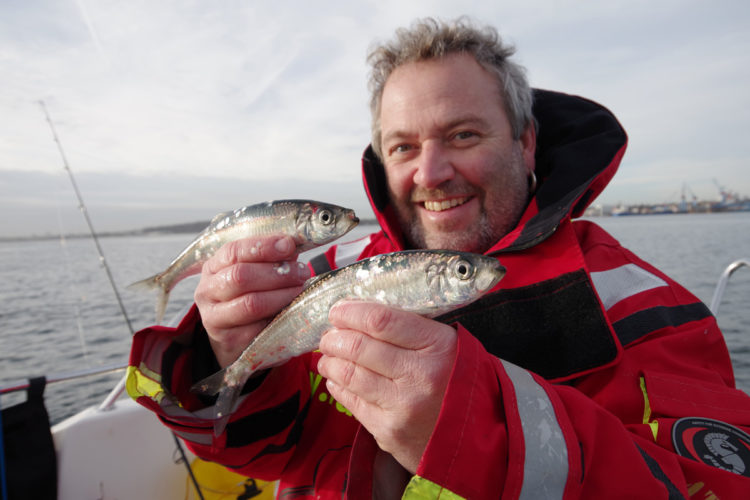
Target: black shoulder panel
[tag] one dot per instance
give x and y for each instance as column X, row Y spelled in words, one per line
column 555, row 328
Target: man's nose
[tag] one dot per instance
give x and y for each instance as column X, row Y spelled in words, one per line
column 434, row 165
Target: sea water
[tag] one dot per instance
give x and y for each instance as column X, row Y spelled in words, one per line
column 59, row 314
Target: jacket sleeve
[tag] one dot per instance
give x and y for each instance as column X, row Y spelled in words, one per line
column 505, row 432
column 281, row 411
column 665, row 421
column 266, row 426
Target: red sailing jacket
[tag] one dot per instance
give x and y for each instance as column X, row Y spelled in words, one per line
column 588, row 374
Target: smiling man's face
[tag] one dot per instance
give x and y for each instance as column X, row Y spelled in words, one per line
column 455, row 175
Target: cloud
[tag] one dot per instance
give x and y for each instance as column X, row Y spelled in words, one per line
column 274, row 92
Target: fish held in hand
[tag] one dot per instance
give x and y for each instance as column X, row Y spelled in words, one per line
column 309, row 223
column 427, row 282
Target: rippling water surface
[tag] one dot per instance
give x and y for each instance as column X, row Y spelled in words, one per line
column 58, row 313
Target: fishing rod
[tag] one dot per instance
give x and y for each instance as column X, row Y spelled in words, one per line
column 84, row 211
column 119, row 388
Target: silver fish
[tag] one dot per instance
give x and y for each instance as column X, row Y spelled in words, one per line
column 428, row 282
column 310, row 223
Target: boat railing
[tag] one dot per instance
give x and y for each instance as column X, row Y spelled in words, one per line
column 116, row 391
column 722, row 283
column 22, row 385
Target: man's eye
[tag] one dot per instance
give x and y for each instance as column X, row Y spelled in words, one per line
column 464, row 135
column 401, row 148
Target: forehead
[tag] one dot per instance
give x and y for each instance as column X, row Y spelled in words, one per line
column 440, row 88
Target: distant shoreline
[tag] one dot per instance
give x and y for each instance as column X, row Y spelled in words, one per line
column 197, row 227
column 186, row 228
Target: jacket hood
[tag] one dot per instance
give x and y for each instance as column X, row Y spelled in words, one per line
column 579, row 147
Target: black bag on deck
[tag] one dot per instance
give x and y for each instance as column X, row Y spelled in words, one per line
column 30, row 460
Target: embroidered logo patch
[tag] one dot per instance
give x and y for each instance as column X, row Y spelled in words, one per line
column 714, row 443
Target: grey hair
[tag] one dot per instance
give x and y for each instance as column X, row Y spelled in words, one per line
column 433, row 39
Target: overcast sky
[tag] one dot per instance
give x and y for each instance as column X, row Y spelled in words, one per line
column 172, row 111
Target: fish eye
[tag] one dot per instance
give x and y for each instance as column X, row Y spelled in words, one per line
column 463, row 269
column 325, row 216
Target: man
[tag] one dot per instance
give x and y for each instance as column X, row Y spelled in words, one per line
column 570, row 381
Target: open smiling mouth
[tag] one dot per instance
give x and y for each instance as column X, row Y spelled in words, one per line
column 439, row 206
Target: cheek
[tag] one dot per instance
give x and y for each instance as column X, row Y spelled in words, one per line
column 399, row 182
column 476, row 166
column 501, row 172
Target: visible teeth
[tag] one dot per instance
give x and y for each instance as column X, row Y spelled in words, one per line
column 438, row 206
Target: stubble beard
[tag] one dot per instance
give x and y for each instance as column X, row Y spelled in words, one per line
column 493, row 223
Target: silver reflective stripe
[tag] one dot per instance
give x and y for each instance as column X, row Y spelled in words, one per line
column 622, row 282
column 204, row 439
column 176, row 411
column 545, row 469
column 348, row 253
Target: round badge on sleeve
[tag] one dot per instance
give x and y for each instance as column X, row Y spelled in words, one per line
column 714, row 443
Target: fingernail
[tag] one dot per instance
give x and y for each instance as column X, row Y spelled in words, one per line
column 303, row 272
column 334, row 308
column 323, row 366
column 331, row 386
column 283, row 245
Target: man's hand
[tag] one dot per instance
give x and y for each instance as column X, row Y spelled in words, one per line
column 242, row 287
column 390, row 368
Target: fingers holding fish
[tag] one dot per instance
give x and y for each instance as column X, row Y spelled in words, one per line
column 403, row 347
column 262, row 249
column 392, row 377
column 417, row 353
column 242, row 286
column 400, row 412
column 251, row 264
column 245, row 308
column 304, row 225
column 242, row 278
column 228, row 343
column 395, row 326
column 233, row 323
column 400, row 431
column 346, row 351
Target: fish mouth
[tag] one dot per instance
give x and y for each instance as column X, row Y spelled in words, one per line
column 440, row 205
column 489, row 278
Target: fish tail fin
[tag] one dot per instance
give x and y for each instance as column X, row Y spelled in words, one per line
column 154, row 282
column 228, row 395
column 149, row 283
column 224, row 405
column 210, row 385
column 162, row 297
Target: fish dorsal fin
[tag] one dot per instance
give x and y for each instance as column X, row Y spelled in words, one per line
column 220, row 216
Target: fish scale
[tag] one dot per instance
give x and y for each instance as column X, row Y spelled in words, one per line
column 427, row 282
